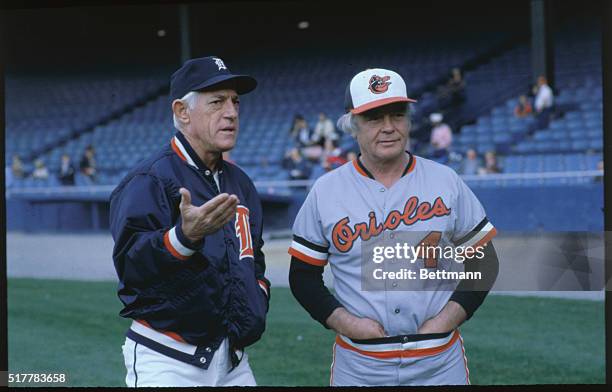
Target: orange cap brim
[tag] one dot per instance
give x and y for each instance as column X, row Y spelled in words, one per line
column 380, row 102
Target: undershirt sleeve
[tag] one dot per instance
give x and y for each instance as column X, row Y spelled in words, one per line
column 306, row 283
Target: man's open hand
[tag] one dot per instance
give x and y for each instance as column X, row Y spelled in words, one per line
column 207, row 218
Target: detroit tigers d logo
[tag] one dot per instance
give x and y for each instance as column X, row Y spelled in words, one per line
column 243, row 232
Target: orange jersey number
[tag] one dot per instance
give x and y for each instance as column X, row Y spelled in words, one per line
column 428, row 249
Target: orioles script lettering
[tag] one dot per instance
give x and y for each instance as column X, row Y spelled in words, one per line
column 344, row 235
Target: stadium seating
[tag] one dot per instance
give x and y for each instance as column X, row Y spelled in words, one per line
column 42, row 113
column 126, row 120
column 574, row 138
column 305, row 82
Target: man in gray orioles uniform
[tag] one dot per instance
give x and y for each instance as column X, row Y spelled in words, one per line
column 388, row 337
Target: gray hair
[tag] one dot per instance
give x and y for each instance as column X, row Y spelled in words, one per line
column 190, row 99
column 348, row 123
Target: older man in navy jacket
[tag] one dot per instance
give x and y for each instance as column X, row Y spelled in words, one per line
column 188, row 243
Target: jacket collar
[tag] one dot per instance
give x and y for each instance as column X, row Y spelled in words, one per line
column 183, row 149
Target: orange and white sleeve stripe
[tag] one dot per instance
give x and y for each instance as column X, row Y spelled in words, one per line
column 308, row 252
column 480, row 235
column 175, row 247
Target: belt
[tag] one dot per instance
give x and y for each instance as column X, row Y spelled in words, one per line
column 400, row 346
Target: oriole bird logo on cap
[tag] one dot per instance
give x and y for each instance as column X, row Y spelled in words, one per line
column 379, row 84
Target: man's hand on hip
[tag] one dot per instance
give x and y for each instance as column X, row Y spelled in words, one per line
column 449, row 318
column 207, row 218
column 351, row 326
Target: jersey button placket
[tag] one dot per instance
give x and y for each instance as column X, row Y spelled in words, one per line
column 389, row 236
column 403, row 360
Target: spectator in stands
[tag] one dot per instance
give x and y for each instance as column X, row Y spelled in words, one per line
column 332, row 156
column 441, row 138
column 544, row 101
column 298, row 167
column 600, row 166
column 453, row 92
column 456, row 86
column 324, row 130
column 8, row 176
column 523, row 108
column 17, row 167
column 470, row 164
column 67, row 171
column 304, row 140
column 300, row 132
column 491, row 166
column 88, row 163
column 351, row 156
column 40, row 170
column 348, row 144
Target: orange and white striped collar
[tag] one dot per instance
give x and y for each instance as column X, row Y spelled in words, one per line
column 181, row 147
column 180, row 150
column 361, row 169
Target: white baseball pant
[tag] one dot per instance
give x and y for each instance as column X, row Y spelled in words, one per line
column 148, row 368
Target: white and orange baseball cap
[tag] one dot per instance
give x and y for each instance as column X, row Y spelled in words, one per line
column 374, row 87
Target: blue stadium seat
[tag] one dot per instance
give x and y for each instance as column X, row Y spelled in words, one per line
column 579, row 145
column 484, row 147
column 591, row 161
column 596, row 144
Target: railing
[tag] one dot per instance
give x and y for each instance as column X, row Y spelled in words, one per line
column 262, row 185
column 533, row 176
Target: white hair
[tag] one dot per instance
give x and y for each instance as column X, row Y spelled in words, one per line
column 348, row 123
column 190, row 99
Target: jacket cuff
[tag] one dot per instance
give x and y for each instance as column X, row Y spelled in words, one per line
column 184, row 240
column 176, row 243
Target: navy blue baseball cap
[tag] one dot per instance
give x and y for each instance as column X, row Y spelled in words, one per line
column 204, row 72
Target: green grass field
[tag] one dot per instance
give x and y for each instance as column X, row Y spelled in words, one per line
column 74, row 328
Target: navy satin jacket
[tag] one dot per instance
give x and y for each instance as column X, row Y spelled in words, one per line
column 205, row 291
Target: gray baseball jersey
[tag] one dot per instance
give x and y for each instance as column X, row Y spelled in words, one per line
column 347, row 206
